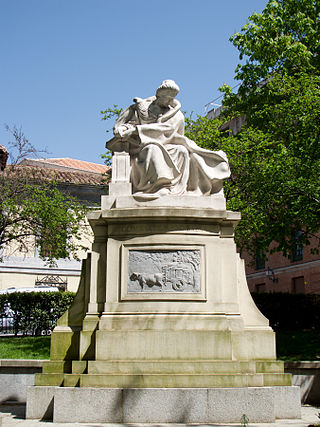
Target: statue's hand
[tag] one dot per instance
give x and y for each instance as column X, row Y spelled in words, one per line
column 130, row 132
column 125, row 131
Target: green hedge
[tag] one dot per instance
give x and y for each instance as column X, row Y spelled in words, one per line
column 39, row 311
column 290, row 311
column 34, row 312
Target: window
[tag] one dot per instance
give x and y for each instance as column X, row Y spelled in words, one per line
column 50, row 280
column 298, row 285
column 260, row 259
column 297, row 248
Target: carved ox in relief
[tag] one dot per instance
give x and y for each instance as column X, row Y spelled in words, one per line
column 149, row 280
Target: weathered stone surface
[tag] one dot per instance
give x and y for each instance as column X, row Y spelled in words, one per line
column 169, row 366
column 229, row 405
column 56, row 366
column 73, row 405
column 121, row 199
column 171, row 381
column 176, row 405
column 287, row 402
column 13, row 387
column 48, row 380
column 40, row 402
column 165, row 406
column 306, row 375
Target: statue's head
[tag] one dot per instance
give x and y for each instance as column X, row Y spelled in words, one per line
column 166, row 92
column 169, row 88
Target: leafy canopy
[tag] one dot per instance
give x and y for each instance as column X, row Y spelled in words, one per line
column 34, row 212
column 283, row 38
column 277, row 166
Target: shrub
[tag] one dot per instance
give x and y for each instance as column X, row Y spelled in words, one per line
column 290, row 311
column 34, row 312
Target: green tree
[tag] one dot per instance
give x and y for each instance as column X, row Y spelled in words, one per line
column 283, row 39
column 275, row 159
column 107, row 114
column 35, row 210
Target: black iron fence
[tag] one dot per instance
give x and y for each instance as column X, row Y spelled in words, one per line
column 32, row 313
column 7, row 325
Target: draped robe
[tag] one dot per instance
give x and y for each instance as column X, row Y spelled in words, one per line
column 163, row 160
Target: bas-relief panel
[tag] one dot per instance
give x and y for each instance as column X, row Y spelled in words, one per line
column 170, row 271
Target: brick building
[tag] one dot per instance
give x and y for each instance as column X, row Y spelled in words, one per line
column 298, row 274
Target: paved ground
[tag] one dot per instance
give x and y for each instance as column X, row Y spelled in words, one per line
column 13, row 415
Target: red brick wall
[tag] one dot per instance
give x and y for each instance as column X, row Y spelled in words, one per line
column 299, row 276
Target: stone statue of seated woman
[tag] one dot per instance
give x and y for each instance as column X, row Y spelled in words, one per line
column 163, row 161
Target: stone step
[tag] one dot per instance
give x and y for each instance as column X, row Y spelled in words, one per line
column 56, row 366
column 49, row 379
column 178, row 367
column 162, row 366
column 177, row 380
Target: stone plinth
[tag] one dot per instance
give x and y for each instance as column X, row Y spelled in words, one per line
column 163, row 313
column 158, row 405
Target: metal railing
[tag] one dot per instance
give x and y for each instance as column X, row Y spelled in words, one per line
column 7, row 325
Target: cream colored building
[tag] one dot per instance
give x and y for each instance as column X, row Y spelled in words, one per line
column 85, row 181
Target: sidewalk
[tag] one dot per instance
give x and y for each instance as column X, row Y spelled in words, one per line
column 13, row 415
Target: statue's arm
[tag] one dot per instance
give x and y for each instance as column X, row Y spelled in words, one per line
column 122, row 125
column 176, row 107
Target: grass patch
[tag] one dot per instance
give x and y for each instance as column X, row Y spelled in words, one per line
column 25, row 348
column 298, row 345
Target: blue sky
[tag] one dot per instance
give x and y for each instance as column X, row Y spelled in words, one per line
column 62, row 61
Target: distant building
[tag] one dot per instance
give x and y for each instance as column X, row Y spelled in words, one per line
column 84, row 180
column 233, row 125
column 298, row 274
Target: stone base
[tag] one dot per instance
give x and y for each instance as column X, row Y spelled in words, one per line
column 164, row 374
column 163, row 328
column 175, row 405
column 121, row 200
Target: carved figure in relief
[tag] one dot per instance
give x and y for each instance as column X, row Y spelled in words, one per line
column 164, row 271
column 163, row 160
column 149, row 280
column 178, row 275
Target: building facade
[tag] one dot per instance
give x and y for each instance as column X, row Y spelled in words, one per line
column 84, row 180
column 299, row 273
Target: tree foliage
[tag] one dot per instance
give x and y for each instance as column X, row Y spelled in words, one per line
column 108, row 114
column 34, row 212
column 284, row 38
column 275, row 159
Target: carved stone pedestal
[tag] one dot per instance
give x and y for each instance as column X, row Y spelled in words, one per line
column 163, row 305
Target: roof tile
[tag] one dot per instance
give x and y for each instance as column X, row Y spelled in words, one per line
column 46, row 174
column 77, row 164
